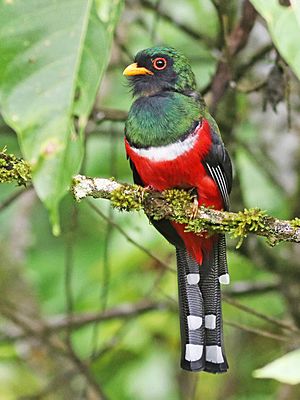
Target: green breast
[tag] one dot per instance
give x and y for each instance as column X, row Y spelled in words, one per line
column 161, row 119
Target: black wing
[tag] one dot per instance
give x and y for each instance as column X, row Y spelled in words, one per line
column 218, row 165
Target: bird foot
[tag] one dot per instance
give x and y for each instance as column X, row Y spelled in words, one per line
column 145, row 190
column 195, row 207
column 149, row 187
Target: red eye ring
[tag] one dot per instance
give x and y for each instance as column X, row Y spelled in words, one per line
column 159, row 63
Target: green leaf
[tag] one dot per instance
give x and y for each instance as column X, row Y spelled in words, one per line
column 285, row 369
column 95, row 55
column 53, row 56
column 296, row 8
column 284, row 27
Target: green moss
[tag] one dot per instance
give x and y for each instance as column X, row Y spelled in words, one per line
column 249, row 220
column 295, row 223
column 179, row 205
column 238, row 226
column 180, row 202
column 13, row 169
column 129, row 198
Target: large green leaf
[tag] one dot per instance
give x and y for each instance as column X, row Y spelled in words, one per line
column 285, row 369
column 53, row 55
column 95, row 54
column 284, row 27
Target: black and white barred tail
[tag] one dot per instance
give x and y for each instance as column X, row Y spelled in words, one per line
column 201, row 328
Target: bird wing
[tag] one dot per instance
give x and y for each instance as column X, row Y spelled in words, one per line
column 218, row 165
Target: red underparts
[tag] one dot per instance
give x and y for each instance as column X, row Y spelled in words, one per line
column 185, row 171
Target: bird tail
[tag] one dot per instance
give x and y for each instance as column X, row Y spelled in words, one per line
column 201, row 327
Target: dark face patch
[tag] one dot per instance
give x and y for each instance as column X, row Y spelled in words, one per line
column 164, row 77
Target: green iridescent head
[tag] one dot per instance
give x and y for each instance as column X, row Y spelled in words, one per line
column 159, row 69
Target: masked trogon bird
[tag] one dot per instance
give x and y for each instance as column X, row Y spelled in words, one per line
column 172, row 142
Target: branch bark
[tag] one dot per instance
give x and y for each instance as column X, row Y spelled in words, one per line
column 210, row 42
column 61, row 322
column 235, row 42
column 13, row 169
column 177, row 205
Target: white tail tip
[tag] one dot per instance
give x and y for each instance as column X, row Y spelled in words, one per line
column 193, row 352
column 214, row 354
column 224, row 279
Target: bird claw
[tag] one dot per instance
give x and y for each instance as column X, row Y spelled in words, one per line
column 195, row 208
column 145, row 190
column 149, row 187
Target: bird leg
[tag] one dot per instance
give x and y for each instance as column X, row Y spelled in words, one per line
column 195, row 204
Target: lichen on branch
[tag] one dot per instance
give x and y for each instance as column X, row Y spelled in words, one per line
column 177, row 205
column 14, row 169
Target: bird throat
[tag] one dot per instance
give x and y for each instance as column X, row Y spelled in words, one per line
column 161, row 119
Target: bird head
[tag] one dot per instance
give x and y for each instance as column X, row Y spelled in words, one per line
column 160, row 69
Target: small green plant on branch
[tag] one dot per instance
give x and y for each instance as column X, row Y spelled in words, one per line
column 177, row 205
column 14, row 169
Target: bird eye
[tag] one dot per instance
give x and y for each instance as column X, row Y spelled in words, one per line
column 159, row 63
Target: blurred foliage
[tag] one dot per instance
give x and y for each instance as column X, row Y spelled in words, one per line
column 285, row 369
column 53, row 55
column 284, row 27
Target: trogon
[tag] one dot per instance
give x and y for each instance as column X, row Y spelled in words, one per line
column 172, row 142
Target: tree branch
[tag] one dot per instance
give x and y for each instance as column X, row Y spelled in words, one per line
column 109, row 114
column 210, row 42
column 13, row 169
column 75, row 321
column 14, row 196
column 257, row 331
column 235, row 42
column 246, row 288
column 177, row 205
column 161, row 263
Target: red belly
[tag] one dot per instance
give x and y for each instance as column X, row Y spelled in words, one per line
column 185, row 171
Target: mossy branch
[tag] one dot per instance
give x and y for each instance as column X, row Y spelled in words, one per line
column 13, row 169
column 177, row 205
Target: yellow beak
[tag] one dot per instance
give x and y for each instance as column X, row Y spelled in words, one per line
column 133, row 69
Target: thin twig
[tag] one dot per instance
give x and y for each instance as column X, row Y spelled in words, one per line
column 256, row 331
column 256, row 57
column 111, row 343
column 235, row 42
column 83, row 368
column 246, row 288
column 249, row 310
column 219, row 9
column 260, row 157
column 104, row 289
column 76, row 321
column 156, row 19
column 109, row 114
column 53, row 386
column 14, row 196
column 130, row 239
column 32, row 328
column 69, row 262
column 178, row 24
column 250, row 88
column 38, row 330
